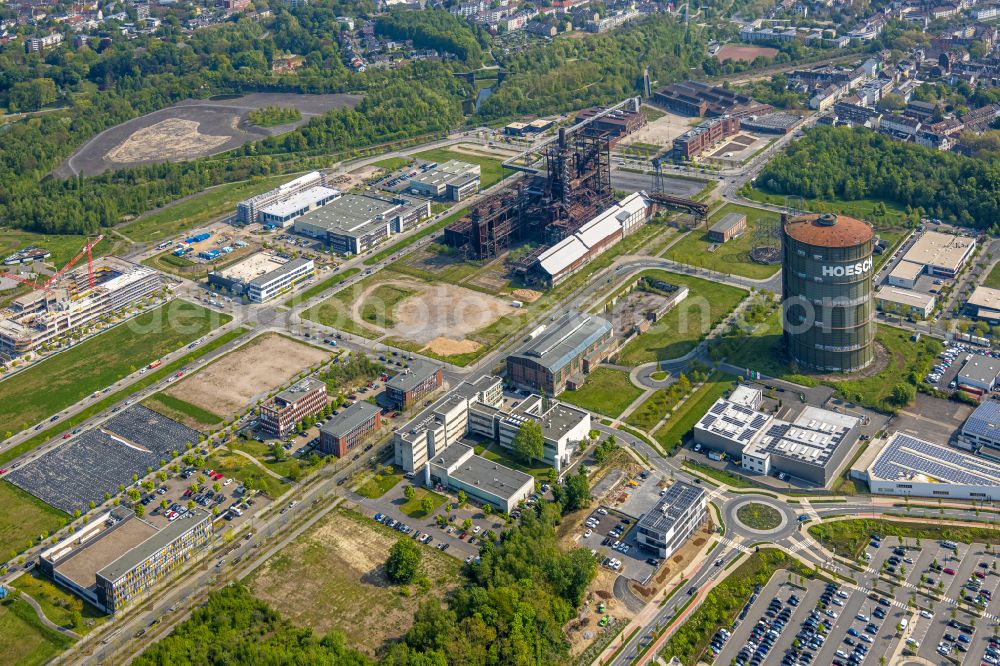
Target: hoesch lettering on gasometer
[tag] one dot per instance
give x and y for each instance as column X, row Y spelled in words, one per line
column 849, row 269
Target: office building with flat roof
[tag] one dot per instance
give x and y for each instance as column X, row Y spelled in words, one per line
column 283, row 213
column 979, row 372
column 279, row 414
column 350, row 428
column 249, row 210
column 981, row 431
column 910, row 466
column 672, row 521
column 453, row 180
column 354, row 223
column 563, row 427
column 984, row 303
column 262, row 276
column 941, row 254
column 562, row 354
column 116, row 558
column 459, row 468
column 706, row 134
column 413, row 383
column 905, row 275
column 904, row 301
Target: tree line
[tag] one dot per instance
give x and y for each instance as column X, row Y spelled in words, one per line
column 434, row 29
column 840, row 163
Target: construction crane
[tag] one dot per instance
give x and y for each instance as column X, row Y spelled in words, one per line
column 47, row 285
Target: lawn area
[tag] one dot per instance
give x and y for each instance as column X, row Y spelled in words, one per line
column 759, row 516
column 24, row 517
column 333, row 577
column 722, row 604
column 490, row 169
column 676, row 429
column 63, row 247
column 605, row 391
column 993, row 279
column 848, row 538
column 291, row 468
column 651, row 113
column 317, row 289
column 731, row 257
column 393, row 163
column 24, row 640
column 720, row 475
column 680, row 330
column 763, row 351
column 380, row 484
column 410, row 240
column 378, row 306
column 197, row 210
column 181, row 410
column 498, row 454
column 654, row 408
column 59, row 604
column 96, row 363
column 412, row 507
column 148, row 379
column 376, row 309
column 238, row 467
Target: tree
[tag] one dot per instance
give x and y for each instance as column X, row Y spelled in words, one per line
column 462, row 498
column 574, row 494
column 529, row 442
column 403, row 562
column 487, row 509
column 409, row 492
column 32, row 95
column 277, row 453
column 139, row 509
column 427, row 505
column 467, row 524
column 903, row 394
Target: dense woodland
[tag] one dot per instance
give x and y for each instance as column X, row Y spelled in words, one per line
column 435, row 30
column 841, row 163
column 510, row 611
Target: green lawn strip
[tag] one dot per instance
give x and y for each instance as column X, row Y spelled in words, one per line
column 654, row 408
column 62, row 246
column 98, row 362
column 682, row 421
column 147, row 380
column 651, row 113
column 393, row 163
column 848, row 538
column 24, row 640
column 491, row 169
column 59, row 604
column 287, row 467
column 605, row 391
column 175, row 404
column 24, row 518
column 413, row 238
column 723, row 603
column 413, row 508
column 719, row 475
column 380, row 484
column 498, row 454
column 993, row 279
column 763, row 351
column 680, row 330
column 733, row 256
column 197, row 210
column 318, row 289
column 238, row 467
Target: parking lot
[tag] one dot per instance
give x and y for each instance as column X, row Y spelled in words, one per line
column 949, row 573
column 611, row 534
column 814, row 625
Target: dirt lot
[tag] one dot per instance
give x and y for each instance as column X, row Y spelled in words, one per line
column 496, row 152
column 333, row 577
column 191, row 128
column 662, row 131
column 744, row 53
column 235, row 380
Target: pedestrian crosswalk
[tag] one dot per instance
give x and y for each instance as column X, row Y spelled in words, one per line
column 731, row 543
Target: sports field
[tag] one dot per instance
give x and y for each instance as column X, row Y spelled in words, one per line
column 95, row 364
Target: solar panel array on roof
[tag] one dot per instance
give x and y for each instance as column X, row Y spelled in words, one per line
column 984, row 422
column 907, row 458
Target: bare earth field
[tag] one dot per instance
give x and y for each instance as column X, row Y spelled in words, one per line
column 232, row 382
column 192, row 128
column 496, row 152
column 333, row 577
column 744, row 53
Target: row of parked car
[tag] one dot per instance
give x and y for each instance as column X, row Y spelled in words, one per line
column 393, row 523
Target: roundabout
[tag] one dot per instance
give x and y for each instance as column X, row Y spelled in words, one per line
column 756, row 515
column 760, row 517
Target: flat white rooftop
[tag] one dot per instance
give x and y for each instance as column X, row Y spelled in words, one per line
column 253, row 266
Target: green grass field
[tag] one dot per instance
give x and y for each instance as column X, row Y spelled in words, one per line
column 498, row 454
column 197, row 210
column 993, row 279
column 379, row 485
column 171, row 406
column 67, row 377
column 24, row 640
column 59, row 604
column 238, row 467
column 674, row 430
column 762, row 351
column 289, row 467
column 849, row 537
column 412, row 507
column 680, row 330
column 654, row 408
column 393, row 163
column 731, row 257
column 148, row 379
column 605, row 391
column 378, row 306
column 318, row 289
column 24, row 518
column 491, row 170
column 62, row 247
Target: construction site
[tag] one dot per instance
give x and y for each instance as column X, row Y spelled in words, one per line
column 564, row 184
column 70, row 300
